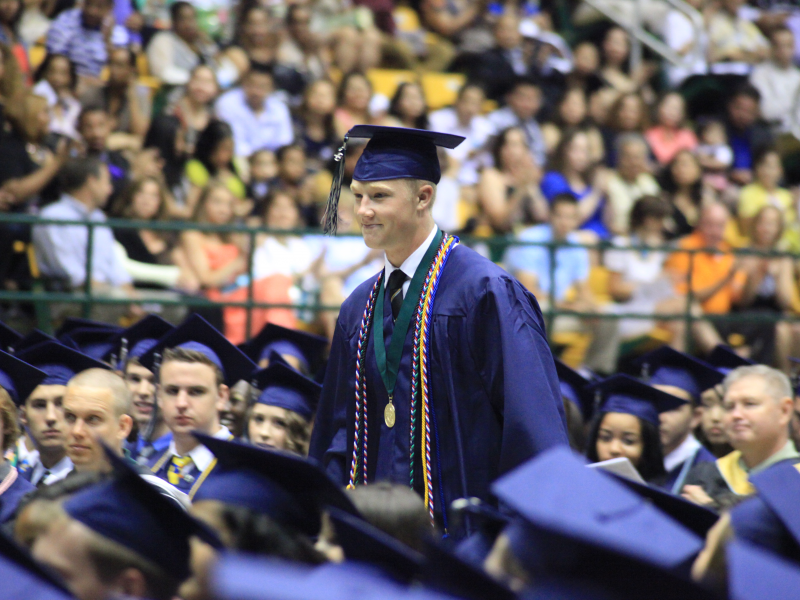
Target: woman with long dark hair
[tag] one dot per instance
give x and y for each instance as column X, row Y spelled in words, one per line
column 408, row 106
column 315, row 128
column 167, row 135
column 683, row 188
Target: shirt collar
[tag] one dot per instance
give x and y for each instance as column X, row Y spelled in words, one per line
column 787, row 452
column 77, row 204
column 58, row 472
column 201, row 456
column 409, row 266
column 685, row 451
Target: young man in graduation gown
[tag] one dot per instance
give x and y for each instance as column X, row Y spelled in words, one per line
column 42, row 414
column 456, row 383
column 197, row 367
column 758, row 403
column 687, row 378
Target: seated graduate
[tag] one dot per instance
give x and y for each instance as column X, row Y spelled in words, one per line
column 303, row 351
column 197, row 367
column 42, row 413
column 283, row 413
column 120, row 537
column 261, row 502
column 578, row 404
column 768, row 520
column 583, row 531
column 94, row 342
column 685, row 377
column 152, row 433
column 17, row 380
column 759, row 404
column 627, row 424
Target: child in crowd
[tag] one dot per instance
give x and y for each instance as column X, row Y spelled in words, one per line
column 263, row 171
column 714, row 153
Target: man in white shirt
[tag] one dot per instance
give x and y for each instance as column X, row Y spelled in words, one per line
column 778, row 81
column 523, row 101
column 259, row 118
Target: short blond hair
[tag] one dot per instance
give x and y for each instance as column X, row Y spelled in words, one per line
column 8, row 414
column 105, row 379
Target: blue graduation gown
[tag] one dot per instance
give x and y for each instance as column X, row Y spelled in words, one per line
column 677, row 476
column 159, row 465
column 11, row 497
column 496, row 396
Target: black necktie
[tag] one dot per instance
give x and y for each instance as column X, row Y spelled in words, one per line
column 395, row 291
column 41, row 481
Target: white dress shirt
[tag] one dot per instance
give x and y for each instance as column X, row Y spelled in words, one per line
column 60, row 470
column 682, row 453
column 271, row 128
column 409, row 266
column 201, row 456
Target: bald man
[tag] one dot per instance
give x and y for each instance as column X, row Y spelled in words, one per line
column 97, row 411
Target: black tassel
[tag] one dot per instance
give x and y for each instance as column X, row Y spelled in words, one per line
column 330, row 221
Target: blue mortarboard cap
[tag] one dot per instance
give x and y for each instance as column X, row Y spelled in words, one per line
column 18, row 378
column 624, row 394
column 556, row 491
column 391, row 153
column 306, row 347
column 754, row 574
column 694, row 517
column 70, row 324
column 195, row 333
column 446, row 573
column 8, row 337
column 667, row 366
column 724, row 359
column 23, row 577
column 365, row 543
column 131, row 512
column 59, row 362
column 92, row 341
column 34, row 338
column 573, row 388
column 139, row 338
column 290, row 489
column 284, row 387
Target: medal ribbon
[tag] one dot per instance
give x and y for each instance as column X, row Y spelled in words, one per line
column 389, row 363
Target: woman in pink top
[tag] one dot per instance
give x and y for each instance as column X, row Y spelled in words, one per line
column 670, row 135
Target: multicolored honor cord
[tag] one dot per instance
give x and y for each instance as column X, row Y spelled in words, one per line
column 420, row 379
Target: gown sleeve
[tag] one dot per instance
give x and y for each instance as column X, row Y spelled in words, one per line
column 510, row 349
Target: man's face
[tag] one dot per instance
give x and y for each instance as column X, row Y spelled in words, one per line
column 119, row 66
column 753, row 419
column 189, row 397
column 44, row 416
column 63, row 547
column 91, row 421
column 796, row 422
column 142, row 384
column 236, row 407
column 743, row 111
column 185, row 25
column 95, row 129
column 525, row 101
column 564, row 219
column 94, row 11
column 675, row 425
column 506, row 32
column 387, row 211
column 632, row 161
column 713, row 222
column 783, row 48
column 101, row 187
column 256, row 88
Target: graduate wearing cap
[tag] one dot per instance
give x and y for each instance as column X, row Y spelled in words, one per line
column 8, row 338
column 489, row 399
column 303, row 351
column 120, row 538
column 626, row 424
column 283, row 412
column 154, row 435
column 759, row 407
column 17, row 380
column 95, row 342
column 42, row 412
column 686, row 377
column 195, row 366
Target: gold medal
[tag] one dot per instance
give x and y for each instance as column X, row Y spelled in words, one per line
column 388, row 414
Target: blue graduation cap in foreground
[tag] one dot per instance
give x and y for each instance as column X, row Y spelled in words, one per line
column 286, row 388
column 195, row 333
column 306, row 347
column 667, row 366
column 138, row 339
column 23, row 577
column 623, row 394
column 290, row 489
column 133, row 513
column 8, row 337
column 35, row 337
column 59, row 362
column 754, row 574
column 365, row 543
column 556, row 492
column 18, row 378
column 391, row 153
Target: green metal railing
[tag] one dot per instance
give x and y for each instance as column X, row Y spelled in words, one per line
column 496, row 245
